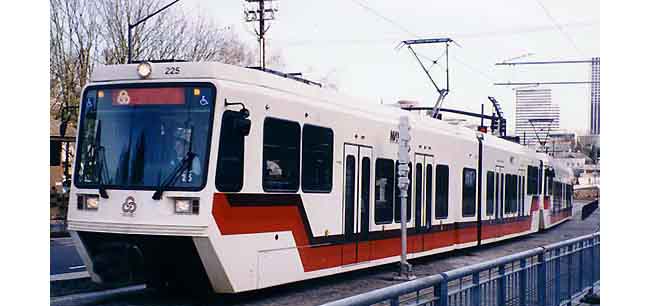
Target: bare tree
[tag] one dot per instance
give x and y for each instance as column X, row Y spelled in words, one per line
column 73, row 44
column 169, row 35
column 84, row 33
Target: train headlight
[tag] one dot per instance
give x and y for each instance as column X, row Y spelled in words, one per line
column 144, row 70
column 91, row 202
column 186, row 206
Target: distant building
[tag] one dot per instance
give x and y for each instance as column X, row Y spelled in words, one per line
column 594, row 118
column 575, row 161
column 561, row 144
column 590, row 175
column 535, row 105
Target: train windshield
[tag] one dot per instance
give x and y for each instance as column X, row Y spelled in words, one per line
column 137, row 137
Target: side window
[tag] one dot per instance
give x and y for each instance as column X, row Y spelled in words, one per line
column 384, row 175
column 511, row 193
column 557, row 194
column 549, row 179
column 469, row 192
column 418, row 193
column 489, row 210
column 429, row 193
column 365, row 194
column 398, row 200
column 317, row 153
column 532, row 180
column 521, row 195
column 499, row 195
column 350, row 195
column 230, row 161
column 442, row 191
column 281, row 155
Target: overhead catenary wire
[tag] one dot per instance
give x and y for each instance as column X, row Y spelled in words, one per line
column 465, row 36
column 405, row 30
column 559, row 27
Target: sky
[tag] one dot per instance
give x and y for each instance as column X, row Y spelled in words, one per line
column 352, row 43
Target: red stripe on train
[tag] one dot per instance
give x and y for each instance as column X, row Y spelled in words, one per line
column 285, row 216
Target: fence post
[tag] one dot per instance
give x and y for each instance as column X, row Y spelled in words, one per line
column 558, row 275
column 443, row 290
column 501, row 286
column 569, row 271
column 541, row 279
column 394, row 301
column 522, row 282
column 593, row 262
column 581, row 266
column 476, row 289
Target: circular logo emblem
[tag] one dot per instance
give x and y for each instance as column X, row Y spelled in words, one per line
column 123, row 97
column 129, row 205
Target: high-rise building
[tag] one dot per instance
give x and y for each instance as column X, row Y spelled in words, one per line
column 594, row 118
column 536, row 117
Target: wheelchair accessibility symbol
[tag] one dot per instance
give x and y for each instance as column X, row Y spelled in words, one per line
column 203, row 101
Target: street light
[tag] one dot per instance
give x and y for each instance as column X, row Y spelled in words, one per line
column 131, row 26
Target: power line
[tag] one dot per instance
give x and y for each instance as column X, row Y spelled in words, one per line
column 544, row 62
column 470, row 35
column 405, row 30
column 559, row 27
column 544, row 83
column 470, row 68
column 376, row 13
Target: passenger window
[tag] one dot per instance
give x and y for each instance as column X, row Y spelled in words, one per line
column 442, row 191
column 317, row 153
column 281, row 155
column 418, row 193
column 498, row 195
column 365, row 194
column 384, row 175
column 230, row 161
column 490, row 194
column 398, row 200
column 429, row 193
column 533, row 176
column 511, row 191
column 350, row 175
column 521, row 196
column 469, row 192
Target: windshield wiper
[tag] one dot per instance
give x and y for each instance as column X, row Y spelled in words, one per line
column 100, row 181
column 186, row 163
column 99, row 163
column 172, row 177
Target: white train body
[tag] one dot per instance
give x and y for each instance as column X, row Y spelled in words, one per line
column 270, row 222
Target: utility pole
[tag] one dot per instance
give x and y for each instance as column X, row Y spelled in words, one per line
column 260, row 14
column 406, row 270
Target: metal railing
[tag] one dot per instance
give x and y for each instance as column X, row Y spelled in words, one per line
column 549, row 275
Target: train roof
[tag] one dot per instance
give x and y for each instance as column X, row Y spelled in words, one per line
column 230, row 75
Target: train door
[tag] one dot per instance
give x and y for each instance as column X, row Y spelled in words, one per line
column 422, row 198
column 499, row 198
column 356, row 203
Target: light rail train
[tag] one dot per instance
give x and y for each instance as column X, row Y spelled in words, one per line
column 212, row 176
